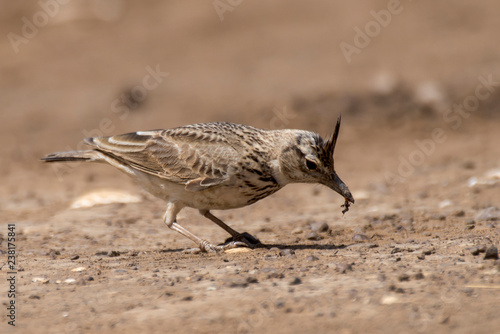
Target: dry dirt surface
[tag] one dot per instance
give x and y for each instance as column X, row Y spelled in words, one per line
column 418, row 87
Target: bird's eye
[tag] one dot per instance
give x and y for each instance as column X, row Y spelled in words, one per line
column 311, row 165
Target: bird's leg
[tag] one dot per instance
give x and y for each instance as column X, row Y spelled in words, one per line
column 169, row 218
column 245, row 237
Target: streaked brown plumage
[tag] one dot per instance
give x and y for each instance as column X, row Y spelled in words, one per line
column 216, row 166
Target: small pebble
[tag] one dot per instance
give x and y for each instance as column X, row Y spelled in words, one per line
column 113, row 253
column 428, row 251
column 311, row 258
column 491, row 253
column 388, row 300
column 419, row 275
column 343, row 267
column 40, row 279
column 491, row 213
column 396, row 250
column 470, row 224
column 295, row 281
column 475, row 251
column 238, row 284
column 238, row 250
column 360, row 237
column 421, row 257
column 79, row 269
column 81, row 281
column 252, row 280
column 404, row 278
column 286, row 252
column 320, row 227
column 314, row 236
column 74, row 257
column 53, row 253
column 34, row 297
column 275, row 275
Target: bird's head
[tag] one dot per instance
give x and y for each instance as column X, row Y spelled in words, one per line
column 309, row 159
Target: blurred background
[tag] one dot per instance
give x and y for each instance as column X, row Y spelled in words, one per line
column 66, row 62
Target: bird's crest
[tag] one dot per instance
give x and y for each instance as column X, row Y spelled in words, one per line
column 332, row 140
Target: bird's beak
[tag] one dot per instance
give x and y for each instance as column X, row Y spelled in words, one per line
column 336, row 184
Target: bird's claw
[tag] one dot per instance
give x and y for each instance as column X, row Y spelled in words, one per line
column 246, row 238
column 211, row 248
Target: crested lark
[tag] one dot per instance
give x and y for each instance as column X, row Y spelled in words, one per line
column 216, row 166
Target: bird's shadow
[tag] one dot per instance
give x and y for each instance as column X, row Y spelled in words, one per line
column 270, row 246
column 300, row 246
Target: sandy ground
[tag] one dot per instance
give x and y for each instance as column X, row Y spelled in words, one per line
column 419, row 95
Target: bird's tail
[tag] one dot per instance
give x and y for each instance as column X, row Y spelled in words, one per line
column 88, row 155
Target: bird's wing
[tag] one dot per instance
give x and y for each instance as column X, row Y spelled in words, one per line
column 187, row 156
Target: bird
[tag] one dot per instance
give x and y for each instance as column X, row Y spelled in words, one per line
column 216, row 166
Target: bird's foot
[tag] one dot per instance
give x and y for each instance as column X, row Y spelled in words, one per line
column 211, row 248
column 246, row 238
